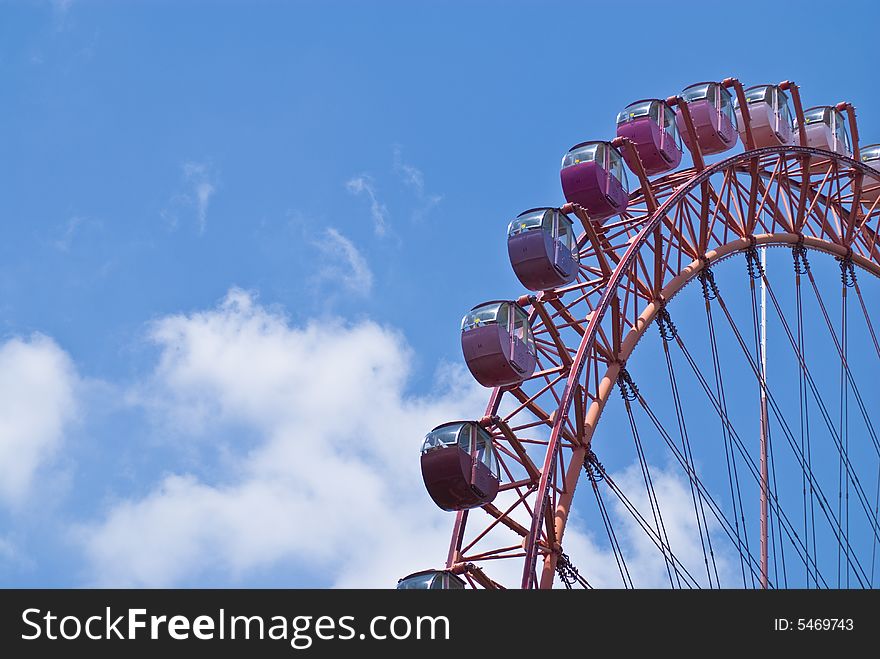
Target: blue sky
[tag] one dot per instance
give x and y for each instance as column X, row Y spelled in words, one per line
column 332, row 179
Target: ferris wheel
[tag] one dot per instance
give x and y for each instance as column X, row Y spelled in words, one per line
column 722, row 434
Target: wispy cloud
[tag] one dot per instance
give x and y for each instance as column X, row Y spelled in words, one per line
column 344, row 263
column 414, row 178
column 203, row 187
column 199, row 180
column 61, row 6
column 64, row 241
column 363, row 184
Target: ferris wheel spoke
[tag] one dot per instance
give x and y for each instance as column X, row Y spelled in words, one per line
column 840, row 348
column 780, row 417
column 839, row 438
column 700, row 486
column 654, row 504
column 729, row 455
column 753, row 469
column 656, row 538
column 616, row 549
column 690, row 468
column 801, row 266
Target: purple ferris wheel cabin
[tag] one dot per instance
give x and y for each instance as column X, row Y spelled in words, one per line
column 651, row 126
column 711, row 109
column 542, row 248
column 593, row 176
column 770, row 117
column 497, row 343
column 459, row 465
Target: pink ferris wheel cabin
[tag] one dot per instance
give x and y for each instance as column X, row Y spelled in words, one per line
column 826, row 129
column 770, row 117
column 650, row 125
column 593, row 176
column 497, row 343
column 542, row 248
column 459, row 465
column 711, row 109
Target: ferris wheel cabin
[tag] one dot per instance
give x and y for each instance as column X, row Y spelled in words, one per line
column 650, row 124
column 431, row 580
column 711, row 109
column 826, row 129
column 459, row 465
column 871, row 185
column 497, row 343
column 593, row 176
column 542, row 248
column 770, row 117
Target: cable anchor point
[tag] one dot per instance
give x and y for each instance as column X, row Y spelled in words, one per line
column 847, row 269
column 667, row 328
column 595, row 469
column 753, row 261
column 567, row 572
column 799, row 254
column 628, row 389
column 707, row 281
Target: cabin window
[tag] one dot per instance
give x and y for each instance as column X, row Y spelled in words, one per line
column 485, row 315
column 485, row 451
column 566, row 231
column 452, row 582
column 655, row 112
column 465, row 435
column 600, row 155
column 758, row 95
column 670, row 126
column 727, row 105
column 417, row 582
column 636, row 110
column 816, row 116
column 871, row 153
column 699, row 92
column 782, row 108
column 582, row 154
column 526, row 222
column 841, row 132
column 521, row 328
column 440, row 437
column 616, row 167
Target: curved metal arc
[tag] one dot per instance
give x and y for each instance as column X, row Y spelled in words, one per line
column 604, row 302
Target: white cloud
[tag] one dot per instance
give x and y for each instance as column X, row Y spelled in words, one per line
column 37, row 400
column 363, row 184
column 332, row 484
column 344, row 264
